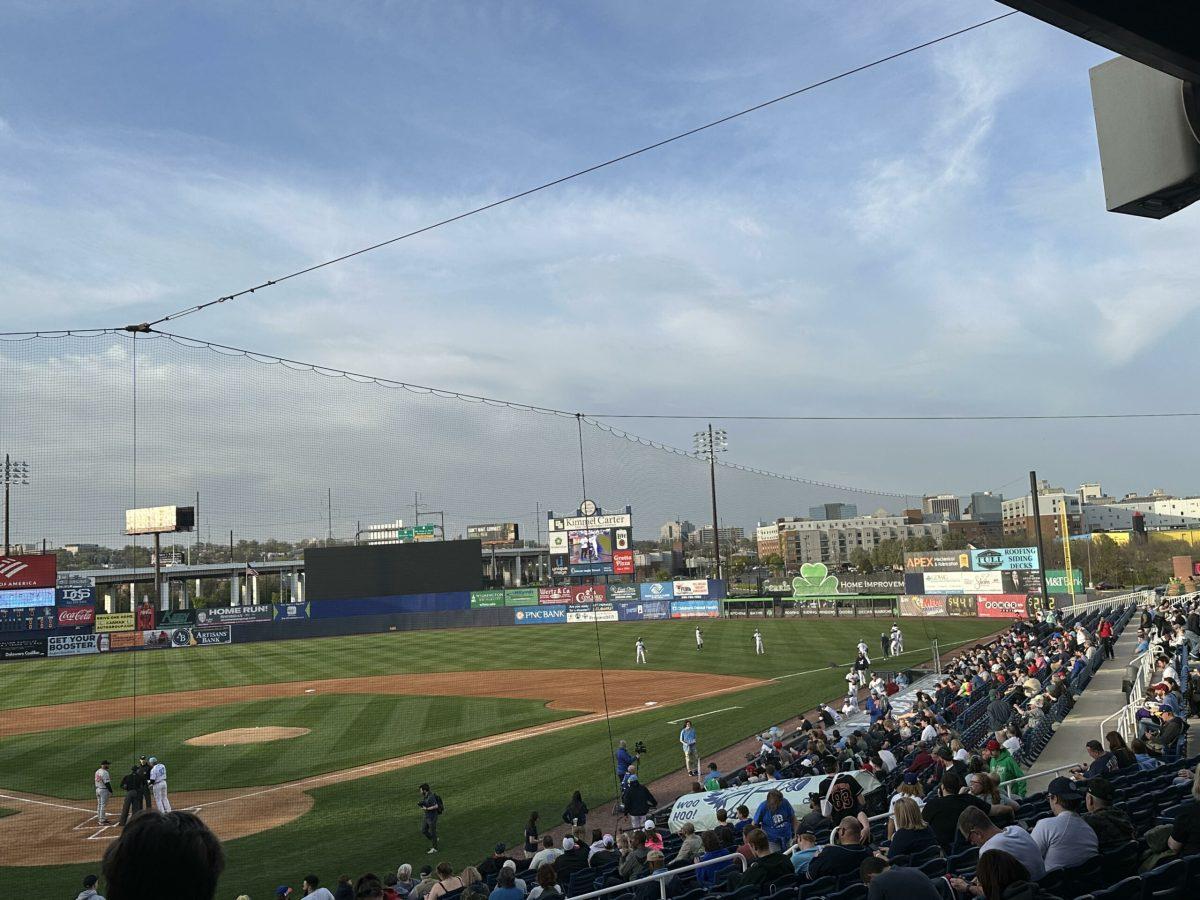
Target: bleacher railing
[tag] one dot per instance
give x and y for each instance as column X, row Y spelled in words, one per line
column 662, row 876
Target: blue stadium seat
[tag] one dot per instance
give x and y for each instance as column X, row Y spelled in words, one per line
column 818, row 888
column 1166, row 882
column 853, row 892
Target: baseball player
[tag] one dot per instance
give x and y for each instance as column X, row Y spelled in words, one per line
column 640, row 649
column 103, row 791
column 158, row 785
column 897, row 640
column 758, row 643
column 862, row 650
column 699, row 638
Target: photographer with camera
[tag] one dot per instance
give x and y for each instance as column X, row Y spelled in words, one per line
column 625, row 759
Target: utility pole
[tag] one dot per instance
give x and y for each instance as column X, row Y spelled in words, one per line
column 1037, row 518
column 329, row 511
column 14, row 473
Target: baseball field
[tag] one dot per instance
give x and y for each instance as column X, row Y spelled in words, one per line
column 305, row 755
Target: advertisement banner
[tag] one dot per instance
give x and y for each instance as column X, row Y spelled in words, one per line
column 73, row 644
column 961, row 606
column 521, row 597
column 697, row 587
column 1056, row 580
column 695, row 609
column 645, row 609
column 922, row 606
column 201, row 636
column 69, row 616
column 23, row 649
column 114, row 621
column 1003, row 606
column 877, row 583
column 486, row 599
column 657, row 590
column 964, row 583
column 292, row 612
column 592, row 612
column 541, row 615
column 156, row 639
column 914, row 582
column 125, row 640
column 226, row 615
column 29, row 571
column 937, row 561
column 559, row 567
column 623, row 592
column 20, row 598
column 75, row 595
column 572, row 593
column 590, row 551
column 1006, row 559
column 622, row 562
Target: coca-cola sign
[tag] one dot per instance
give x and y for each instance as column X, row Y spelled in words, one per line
column 76, row 615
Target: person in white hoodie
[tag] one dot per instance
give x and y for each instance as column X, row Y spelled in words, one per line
column 89, row 889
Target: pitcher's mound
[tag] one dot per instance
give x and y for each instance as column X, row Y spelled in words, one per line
column 258, row 735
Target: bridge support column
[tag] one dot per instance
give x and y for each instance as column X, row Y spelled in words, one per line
column 164, row 595
column 254, row 590
column 295, row 598
column 235, row 590
column 516, row 579
column 109, row 602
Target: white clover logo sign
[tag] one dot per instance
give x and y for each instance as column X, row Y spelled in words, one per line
column 814, row 579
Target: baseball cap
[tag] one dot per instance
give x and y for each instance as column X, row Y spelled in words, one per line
column 509, row 864
column 1064, row 788
column 155, row 759
column 910, row 777
column 654, row 854
column 501, row 847
column 282, row 891
column 993, row 744
column 1102, row 789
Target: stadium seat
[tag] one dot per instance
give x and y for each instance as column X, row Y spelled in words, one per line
column 1128, row 889
column 934, row 868
column 782, row 883
column 853, row 892
column 1166, row 882
column 1119, row 863
column 818, row 888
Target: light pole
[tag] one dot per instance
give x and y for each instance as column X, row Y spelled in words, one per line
column 14, row 472
column 709, row 443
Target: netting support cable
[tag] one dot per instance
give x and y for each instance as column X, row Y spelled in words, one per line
column 596, row 622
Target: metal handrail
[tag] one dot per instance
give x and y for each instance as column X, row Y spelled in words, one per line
column 1040, row 774
column 660, row 876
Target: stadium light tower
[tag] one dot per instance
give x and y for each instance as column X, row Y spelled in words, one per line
column 708, row 444
column 14, row 472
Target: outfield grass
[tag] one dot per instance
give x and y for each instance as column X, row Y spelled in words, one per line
column 792, row 645
column 373, row 823
column 345, row 730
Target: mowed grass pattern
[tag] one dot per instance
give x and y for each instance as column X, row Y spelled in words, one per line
column 345, row 730
column 792, row 645
column 372, row 824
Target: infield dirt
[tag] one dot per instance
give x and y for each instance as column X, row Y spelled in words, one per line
column 67, row 829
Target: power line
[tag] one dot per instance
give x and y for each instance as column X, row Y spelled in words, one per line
column 577, row 174
column 951, row 418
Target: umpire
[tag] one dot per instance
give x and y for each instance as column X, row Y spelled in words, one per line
column 132, row 784
column 143, row 770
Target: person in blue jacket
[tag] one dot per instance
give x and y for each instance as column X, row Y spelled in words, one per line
column 776, row 817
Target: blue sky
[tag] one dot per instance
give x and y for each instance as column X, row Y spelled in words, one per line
column 928, row 237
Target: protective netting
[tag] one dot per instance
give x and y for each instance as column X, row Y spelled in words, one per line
column 113, row 421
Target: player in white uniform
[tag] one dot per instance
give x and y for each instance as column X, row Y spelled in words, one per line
column 699, row 638
column 862, row 650
column 897, row 639
column 758, row 643
column 103, row 791
column 158, row 785
column 640, row 649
